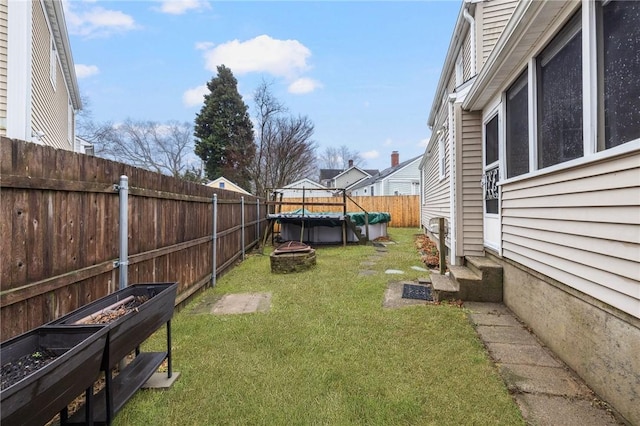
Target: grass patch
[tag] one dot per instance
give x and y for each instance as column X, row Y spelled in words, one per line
column 326, row 353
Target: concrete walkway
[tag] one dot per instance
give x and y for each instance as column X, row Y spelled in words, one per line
column 546, row 391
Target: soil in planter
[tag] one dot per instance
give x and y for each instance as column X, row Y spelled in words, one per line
column 105, row 317
column 16, row 370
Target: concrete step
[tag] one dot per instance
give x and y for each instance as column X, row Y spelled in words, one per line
column 479, row 281
column 483, row 266
column 444, row 287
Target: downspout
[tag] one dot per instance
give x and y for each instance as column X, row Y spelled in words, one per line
column 452, row 183
column 472, row 30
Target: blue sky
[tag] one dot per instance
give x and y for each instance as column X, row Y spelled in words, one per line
column 363, row 72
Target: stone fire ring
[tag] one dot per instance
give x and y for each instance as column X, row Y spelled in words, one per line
column 286, row 263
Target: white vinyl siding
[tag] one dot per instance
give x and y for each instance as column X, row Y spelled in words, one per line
column 4, row 34
column 436, row 191
column 580, row 227
column 466, row 56
column 348, row 178
column 472, row 199
column 495, row 15
column 49, row 107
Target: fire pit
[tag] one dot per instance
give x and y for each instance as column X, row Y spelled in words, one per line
column 75, row 357
column 126, row 333
column 292, row 256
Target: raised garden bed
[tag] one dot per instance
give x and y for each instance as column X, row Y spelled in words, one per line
column 63, row 363
column 154, row 305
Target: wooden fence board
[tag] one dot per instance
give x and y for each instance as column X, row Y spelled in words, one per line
column 59, row 228
column 404, row 209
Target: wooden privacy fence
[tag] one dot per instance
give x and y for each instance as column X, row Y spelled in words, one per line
column 404, row 209
column 59, row 224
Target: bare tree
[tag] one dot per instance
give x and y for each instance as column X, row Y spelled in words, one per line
column 338, row 158
column 165, row 148
column 285, row 149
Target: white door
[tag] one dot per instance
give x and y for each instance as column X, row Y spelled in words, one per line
column 490, row 178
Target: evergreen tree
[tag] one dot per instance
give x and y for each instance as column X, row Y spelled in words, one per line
column 223, row 131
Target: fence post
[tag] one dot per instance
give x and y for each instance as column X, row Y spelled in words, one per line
column 214, row 238
column 442, row 246
column 123, row 263
column 258, row 219
column 242, row 220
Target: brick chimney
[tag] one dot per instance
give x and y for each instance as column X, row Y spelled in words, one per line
column 395, row 158
column 350, row 163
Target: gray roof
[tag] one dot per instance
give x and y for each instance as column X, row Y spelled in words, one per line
column 386, row 172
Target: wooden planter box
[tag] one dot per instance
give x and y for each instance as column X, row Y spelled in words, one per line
column 38, row 397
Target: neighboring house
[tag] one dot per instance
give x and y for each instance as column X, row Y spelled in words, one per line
column 534, row 161
column 399, row 179
column 224, row 183
column 307, row 187
column 39, row 93
column 344, row 179
column 83, row 146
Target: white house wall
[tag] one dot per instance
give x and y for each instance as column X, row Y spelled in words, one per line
column 50, row 105
column 436, row 201
column 403, row 180
column 349, row 177
column 581, row 228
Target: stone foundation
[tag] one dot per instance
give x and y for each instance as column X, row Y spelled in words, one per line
column 287, row 263
column 600, row 343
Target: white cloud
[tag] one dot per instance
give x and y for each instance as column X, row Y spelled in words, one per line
column 388, row 142
column 194, row 97
column 370, row 155
column 281, row 58
column 423, row 143
column 84, row 71
column 204, row 45
column 304, row 85
column 180, row 7
column 96, row 21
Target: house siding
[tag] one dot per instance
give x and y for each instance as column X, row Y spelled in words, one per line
column 580, row 227
column 436, row 192
column 4, row 34
column 471, row 190
column 349, row 178
column 466, row 56
column 494, row 16
column 50, row 106
column 403, row 180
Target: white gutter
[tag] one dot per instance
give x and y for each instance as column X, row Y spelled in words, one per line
column 472, row 30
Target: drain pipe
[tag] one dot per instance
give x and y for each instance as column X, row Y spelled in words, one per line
column 472, row 30
column 214, row 239
column 452, row 182
column 123, row 264
column 242, row 220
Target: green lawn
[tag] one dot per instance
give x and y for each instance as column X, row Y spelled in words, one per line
column 326, row 353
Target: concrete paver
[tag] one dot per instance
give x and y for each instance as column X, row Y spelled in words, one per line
column 393, row 296
column 549, row 410
column 242, row 303
column 505, row 334
column 510, row 353
column 547, row 380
